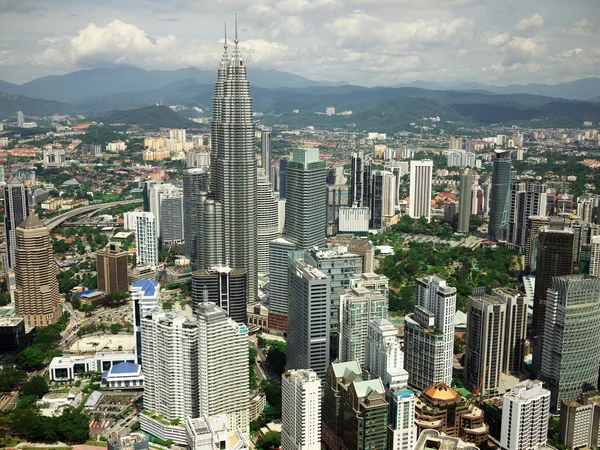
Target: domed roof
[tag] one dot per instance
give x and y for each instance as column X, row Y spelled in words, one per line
column 441, row 392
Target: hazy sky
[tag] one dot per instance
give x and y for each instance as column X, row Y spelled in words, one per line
column 368, row 42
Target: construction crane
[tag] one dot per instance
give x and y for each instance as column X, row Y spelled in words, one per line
column 477, row 390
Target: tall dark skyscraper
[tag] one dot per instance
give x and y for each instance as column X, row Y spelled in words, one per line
column 360, row 180
column 283, row 162
column 16, row 210
column 501, row 176
column 464, row 201
column 233, row 165
column 195, row 181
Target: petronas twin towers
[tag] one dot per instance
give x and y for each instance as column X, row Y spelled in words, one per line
column 230, row 211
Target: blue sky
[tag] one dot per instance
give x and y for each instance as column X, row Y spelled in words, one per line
column 368, row 42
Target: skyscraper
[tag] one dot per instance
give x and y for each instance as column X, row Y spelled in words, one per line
column 20, row 119
column 429, row 334
column 16, row 209
column 224, row 287
column 571, row 340
column 402, row 432
column 383, row 196
column 308, row 316
column 525, row 414
column 233, row 165
column 365, row 300
column 156, row 192
column 195, row 181
column 111, row 264
column 279, row 251
column 421, row 174
column 146, row 249
column 36, row 290
column 464, row 205
column 283, row 162
column 265, row 156
column 501, row 176
column 360, row 180
column 145, row 295
column 383, row 355
column 306, row 201
column 301, row 410
column 595, row 257
column 267, row 217
column 171, row 218
column 526, row 199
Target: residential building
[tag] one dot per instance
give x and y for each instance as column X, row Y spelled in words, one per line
column 195, row 181
column 267, row 227
column 214, row 433
column 20, row 119
column 421, row 175
column 301, row 410
column 525, row 199
column 595, row 257
column 308, row 316
column 16, row 210
column 222, row 286
column 571, row 338
column 306, row 202
column 499, row 197
column 525, row 414
column 146, row 250
column 366, row 299
column 464, row 205
column 580, row 421
column 402, row 431
column 171, row 216
column 36, row 288
column 111, row 267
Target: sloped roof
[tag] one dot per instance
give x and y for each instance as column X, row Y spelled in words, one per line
column 441, row 391
column 31, row 222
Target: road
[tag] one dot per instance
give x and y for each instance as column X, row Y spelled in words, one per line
column 261, row 363
column 56, row 221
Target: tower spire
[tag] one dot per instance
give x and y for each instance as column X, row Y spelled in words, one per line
column 225, row 46
column 236, row 35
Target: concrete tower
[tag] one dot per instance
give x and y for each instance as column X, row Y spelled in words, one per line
column 195, row 181
column 16, row 210
column 421, row 174
column 464, row 205
column 267, row 217
column 501, row 176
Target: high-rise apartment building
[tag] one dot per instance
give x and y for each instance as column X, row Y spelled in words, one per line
column 308, row 316
column 195, row 181
column 300, row 410
column 429, row 334
column 525, row 199
column 595, row 256
column 156, row 192
column 499, row 195
column 360, row 180
column 554, row 258
column 146, row 250
column 16, row 210
column 525, row 414
column 111, row 266
column 366, row 299
column 402, row 431
column 421, row 176
column 223, row 366
column 145, row 295
column 171, row 218
column 464, row 205
column 20, row 119
column 571, row 337
column 265, row 146
column 279, row 252
column 224, row 287
column 580, row 421
column 267, row 226
column 383, row 355
column 36, row 288
column 233, row 166
column 306, row 202
column 456, row 143
column 177, row 134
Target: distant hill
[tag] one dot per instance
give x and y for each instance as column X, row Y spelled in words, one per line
column 150, row 116
column 10, row 104
column 78, row 87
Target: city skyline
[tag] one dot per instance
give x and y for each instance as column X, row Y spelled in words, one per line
column 498, row 43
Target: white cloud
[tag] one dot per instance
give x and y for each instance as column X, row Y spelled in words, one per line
column 498, row 40
column 584, row 27
column 302, row 7
column 532, row 22
column 568, row 54
column 525, row 45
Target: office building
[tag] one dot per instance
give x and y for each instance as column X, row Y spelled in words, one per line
column 146, row 238
column 525, row 414
column 171, row 217
column 534, row 225
column 54, row 158
column 195, row 181
column 16, row 210
column 571, row 337
column 306, row 203
column 210, row 247
column 233, row 166
column 554, row 259
column 145, row 295
column 337, row 198
column 224, row 287
column 366, row 299
column 279, row 251
column 156, row 192
column 308, row 316
column 111, row 266
column 499, row 196
column 429, row 439
column 265, row 147
column 421, row 175
column 441, row 408
column 464, row 205
column 20, row 119
column 36, row 288
column 300, row 410
column 13, row 337
column 580, row 421
column 384, row 357
column 402, row 430
column 267, row 226
column 525, row 199
column 383, row 196
column 283, row 162
column 355, row 411
column 595, row 257
column 223, row 366
column 359, row 191
column 429, row 334
column 354, row 220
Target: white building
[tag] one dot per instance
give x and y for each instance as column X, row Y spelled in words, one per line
column 144, row 295
column 213, row 433
column 267, row 225
column 403, row 430
column 155, row 191
column 301, row 410
column 330, row 111
column 421, row 175
column 146, row 236
column 383, row 355
column 595, row 257
column 525, row 412
column 177, row 135
column 64, row 368
column 366, row 299
column 354, row 219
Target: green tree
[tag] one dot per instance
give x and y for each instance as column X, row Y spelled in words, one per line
column 36, row 386
column 276, row 357
column 272, row 390
column 269, row 441
column 31, row 358
column 11, row 378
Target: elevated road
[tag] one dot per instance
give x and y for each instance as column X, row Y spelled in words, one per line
column 58, row 220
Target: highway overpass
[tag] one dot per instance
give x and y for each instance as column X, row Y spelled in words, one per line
column 58, row 220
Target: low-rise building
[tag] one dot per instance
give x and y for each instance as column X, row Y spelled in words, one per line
column 64, row 368
column 213, row 433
